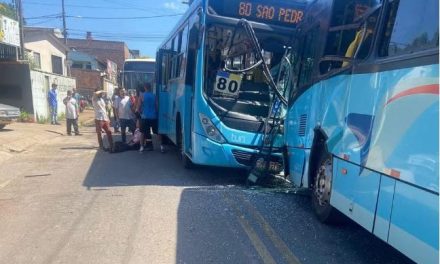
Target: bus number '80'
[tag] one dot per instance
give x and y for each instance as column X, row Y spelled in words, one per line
column 245, row 9
column 224, row 83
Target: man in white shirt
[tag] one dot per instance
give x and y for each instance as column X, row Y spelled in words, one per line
column 102, row 121
column 72, row 113
column 124, row 114
column 115, row 100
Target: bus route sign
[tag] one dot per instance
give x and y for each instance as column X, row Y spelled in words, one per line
column 283, row 13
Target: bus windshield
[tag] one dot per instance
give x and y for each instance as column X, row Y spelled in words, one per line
column 235, row 85
column 137, row 73
column 140, row 66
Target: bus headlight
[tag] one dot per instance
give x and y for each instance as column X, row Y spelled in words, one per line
column 210, row 130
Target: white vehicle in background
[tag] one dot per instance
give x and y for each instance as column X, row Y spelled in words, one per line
column 8, row 114
column 137, row 72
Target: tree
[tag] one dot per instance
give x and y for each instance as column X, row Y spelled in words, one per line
column 8, row 9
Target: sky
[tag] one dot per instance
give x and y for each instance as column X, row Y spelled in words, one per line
column 144, row 34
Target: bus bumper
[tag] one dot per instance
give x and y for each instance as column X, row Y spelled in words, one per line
column 210, row 153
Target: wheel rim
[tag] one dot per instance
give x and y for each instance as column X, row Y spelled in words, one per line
column 323, row 181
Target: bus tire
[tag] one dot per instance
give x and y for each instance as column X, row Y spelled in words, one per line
column 186, row 161
column 321, row 191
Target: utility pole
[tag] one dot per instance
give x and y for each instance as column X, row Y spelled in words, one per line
column 19, row 11
column 64, row 22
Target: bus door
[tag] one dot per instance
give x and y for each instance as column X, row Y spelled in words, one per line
column 193, row 38
column 163, row 92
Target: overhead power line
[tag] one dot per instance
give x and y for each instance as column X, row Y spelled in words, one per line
column 42, row 22
column 155, row 34
column 99, row 18
column 84, row 6
column 57, row 15
column 126, row 18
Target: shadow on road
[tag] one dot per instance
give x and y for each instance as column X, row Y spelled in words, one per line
column 154, row 168
column 219, row 221
column 4, row 130
column 233, row 225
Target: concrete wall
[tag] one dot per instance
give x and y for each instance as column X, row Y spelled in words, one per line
column 46, row 50
column 27, row 89
column 41, row 83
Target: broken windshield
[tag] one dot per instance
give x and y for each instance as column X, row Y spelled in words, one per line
column 236, row 85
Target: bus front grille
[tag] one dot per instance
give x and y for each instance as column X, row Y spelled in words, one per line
column 243, row 157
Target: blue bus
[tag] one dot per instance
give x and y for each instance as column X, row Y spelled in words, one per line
column 215, row 78
column 362, row 128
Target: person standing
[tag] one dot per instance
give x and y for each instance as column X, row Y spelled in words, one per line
column 148, row 110
column 125, row 114
column 72, row 113
column 102, row 122
column 76, row 95
column 53, row 104
column 115, row 100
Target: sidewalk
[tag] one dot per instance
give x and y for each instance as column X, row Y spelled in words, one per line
column 19, row 137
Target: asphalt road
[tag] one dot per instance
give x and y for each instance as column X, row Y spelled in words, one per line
column 62, row 201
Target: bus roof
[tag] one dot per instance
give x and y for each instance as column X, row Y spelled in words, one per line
column 140, row 60
column 193, row 6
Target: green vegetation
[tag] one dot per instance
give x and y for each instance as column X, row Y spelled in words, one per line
column 62, row 116
column 8, row 9
column 25, row 117
column 42, row 120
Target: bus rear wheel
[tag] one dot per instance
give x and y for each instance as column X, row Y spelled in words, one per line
column 321, row 191
column 186, row 162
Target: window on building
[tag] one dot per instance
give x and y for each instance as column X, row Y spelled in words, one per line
column 411, row 26
column 57, row 65
column 37, row 60
column 77, row 65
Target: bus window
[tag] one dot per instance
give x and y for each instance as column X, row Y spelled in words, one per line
column 411, row 26
column 345, row 38
column 183, row 51
column 192, row 50
column 164, row 72
column 308, row 56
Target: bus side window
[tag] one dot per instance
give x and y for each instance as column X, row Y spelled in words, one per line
column 308, row 56
column 164, row 72
column 346, row 40
column 192, row 51
column 410, row 27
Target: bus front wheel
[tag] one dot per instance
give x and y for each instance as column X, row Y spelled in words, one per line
column 321, row 191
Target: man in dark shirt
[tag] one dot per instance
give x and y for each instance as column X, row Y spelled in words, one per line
column 148, row 110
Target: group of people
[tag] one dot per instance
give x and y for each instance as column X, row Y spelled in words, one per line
column 138, row 114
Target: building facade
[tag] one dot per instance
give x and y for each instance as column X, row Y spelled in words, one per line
column 103, row 50
column 45, row 51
